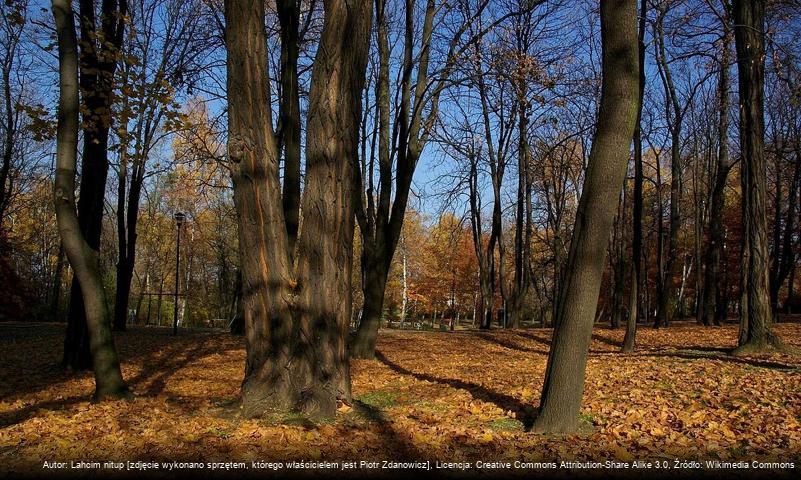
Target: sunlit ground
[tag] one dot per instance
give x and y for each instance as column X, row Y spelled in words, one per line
column 464, row 395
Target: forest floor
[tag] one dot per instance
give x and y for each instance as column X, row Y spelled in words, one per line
column 448, row 396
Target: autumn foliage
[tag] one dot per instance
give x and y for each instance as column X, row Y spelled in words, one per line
column 463, row 395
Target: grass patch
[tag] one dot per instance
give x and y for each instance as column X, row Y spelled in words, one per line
column 663, row 385
column 506, row 424
column 380, row 398
column 586, row 419
column 222, row 433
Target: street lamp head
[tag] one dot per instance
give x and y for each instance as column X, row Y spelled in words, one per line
column 180, row 217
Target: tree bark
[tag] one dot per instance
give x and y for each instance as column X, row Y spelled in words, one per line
column 564, row 378
column 756, row 317
column 629, row 340
column 82, row 257
column 98, row 62
column 296, row 321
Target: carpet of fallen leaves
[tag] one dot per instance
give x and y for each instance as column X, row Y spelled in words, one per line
column 464, row 395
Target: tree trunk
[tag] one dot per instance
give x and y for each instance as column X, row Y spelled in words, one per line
column 618, row 263
column 82, row 257
column 667, row 295
column 783, row 260
column 289, row 21
column 97, row 65
column 714, row 249
column 296, row 323
column 405, row 292
column 756, row 316
column 564, row 378
column 55, row 293
column 374, row 285
column 629, row 340
column 522, row 279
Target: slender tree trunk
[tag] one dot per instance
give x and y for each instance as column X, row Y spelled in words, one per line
column 405, row 292
column 756, row 316
column 667, row 296
column 783, row 260
column 289, row 21
column 522, row 280
column 714, row 249
column 82, row 257
column 7, row 64
column 629, row 340
column 55, row 294
column 564, row 378
column 618, row 261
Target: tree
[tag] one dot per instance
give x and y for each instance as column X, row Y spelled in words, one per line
column 11, row 29
column 99, row 51
column 567, row 360
column 712, row 310
column 636, row 245
column 674, row 112
column 380, row 222
column 157, row 60
column 82, row 257
column 756, row 317
column 296, row 318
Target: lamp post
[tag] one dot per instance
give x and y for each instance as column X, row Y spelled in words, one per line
column 180, row 217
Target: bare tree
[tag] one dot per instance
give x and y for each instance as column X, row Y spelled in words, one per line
column 99, row 51
column 629, row 339
column 564, row 379
column 82, row 257
column 712, row 309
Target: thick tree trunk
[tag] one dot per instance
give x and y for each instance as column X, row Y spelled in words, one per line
column 82, row 257
column 326, row 242
column 296, row 322
column 756, row 315
column 564, row 378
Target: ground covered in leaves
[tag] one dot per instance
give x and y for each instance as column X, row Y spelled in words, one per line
column 464, row 395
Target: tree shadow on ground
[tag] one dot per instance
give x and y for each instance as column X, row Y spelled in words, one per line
column 156, row 371
column 14, row 417
column 606, row 341
column 536, row 338
column 394, row 442
column 525, row 413
column 506, row 343
column 158, row 365
column 689, row 354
